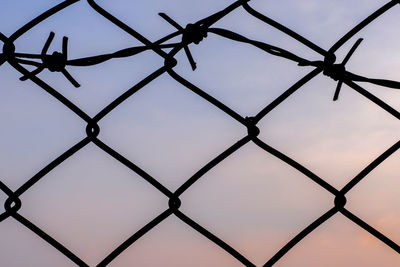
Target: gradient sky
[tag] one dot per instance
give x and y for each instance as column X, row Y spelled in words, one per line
column 253, row 201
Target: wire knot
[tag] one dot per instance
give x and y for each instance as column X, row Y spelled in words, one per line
column 12, row 204
column 338, row 71
column 55, row 62
column 92, row 130
column 170, row 62
column 252, row 130
column 174, row 203
column 334, row 71
column 8, row 50
column 194, row 33
column 340, row 201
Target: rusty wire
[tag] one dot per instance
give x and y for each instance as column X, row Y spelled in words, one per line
column 193, row 34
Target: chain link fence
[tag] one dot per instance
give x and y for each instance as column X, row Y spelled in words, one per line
column 193, row 34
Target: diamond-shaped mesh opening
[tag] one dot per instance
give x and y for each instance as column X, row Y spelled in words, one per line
column 259, row 78
column 275, row 202
column 96, row 208
column 100, row 88
column 334, row 139
column 168, row 132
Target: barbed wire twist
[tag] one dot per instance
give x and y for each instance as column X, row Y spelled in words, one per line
column 193, row 33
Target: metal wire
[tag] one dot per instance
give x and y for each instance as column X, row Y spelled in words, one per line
column 193, row 34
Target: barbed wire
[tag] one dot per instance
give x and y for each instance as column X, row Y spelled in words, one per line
column 193, row 33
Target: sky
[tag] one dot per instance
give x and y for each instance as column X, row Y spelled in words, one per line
column 253, row 201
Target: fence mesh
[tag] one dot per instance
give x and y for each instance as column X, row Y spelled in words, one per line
column 193, row 34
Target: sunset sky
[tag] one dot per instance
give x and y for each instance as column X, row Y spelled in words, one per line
column 256, row 203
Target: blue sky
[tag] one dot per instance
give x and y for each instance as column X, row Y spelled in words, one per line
column 251, row 200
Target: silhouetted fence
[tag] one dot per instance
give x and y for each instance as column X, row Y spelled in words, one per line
column 193, row 34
